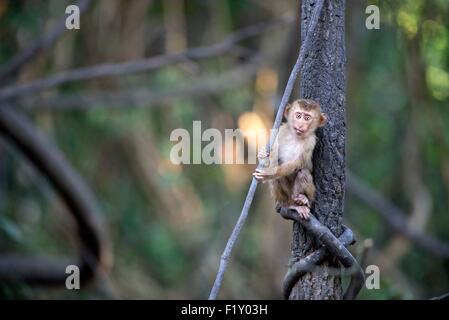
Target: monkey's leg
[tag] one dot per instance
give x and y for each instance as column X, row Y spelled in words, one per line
column 281, row 191
column 303, row 189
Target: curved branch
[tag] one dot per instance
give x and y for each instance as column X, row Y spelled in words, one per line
column 126, row 68
column 335, row 248
column 394, row 217
column 43, row 43
column 308, row 264
column 93, row 253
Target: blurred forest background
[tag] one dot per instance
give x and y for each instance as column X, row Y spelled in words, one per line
column 167, row 224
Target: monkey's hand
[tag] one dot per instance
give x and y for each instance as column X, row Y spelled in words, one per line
column 263, row 175
column 301, row 200
column 263, row 153
column 303, row 211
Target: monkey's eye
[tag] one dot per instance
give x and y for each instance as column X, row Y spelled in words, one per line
column 298, row 116
column 307, row 118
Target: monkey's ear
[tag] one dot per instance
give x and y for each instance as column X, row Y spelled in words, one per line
column 323, row 120
column 287, row 109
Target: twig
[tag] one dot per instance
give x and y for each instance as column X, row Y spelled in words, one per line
column 94, row 254
column 126, row 68
column 40, row 44
column 252, row 189
column 442, row 297
column 394, row 217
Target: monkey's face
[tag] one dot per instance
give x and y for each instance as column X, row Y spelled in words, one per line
column 304, row 121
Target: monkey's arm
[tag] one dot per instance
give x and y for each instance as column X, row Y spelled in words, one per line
column 269, row 161
column 277, row 172
column 273, row 160
column 304, row 161
column 286, row 169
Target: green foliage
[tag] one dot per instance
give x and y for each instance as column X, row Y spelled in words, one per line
column 153, row 255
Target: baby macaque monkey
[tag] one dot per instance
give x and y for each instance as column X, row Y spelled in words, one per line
column 288, row 166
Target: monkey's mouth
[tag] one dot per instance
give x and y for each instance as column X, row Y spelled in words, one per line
column 299, row 132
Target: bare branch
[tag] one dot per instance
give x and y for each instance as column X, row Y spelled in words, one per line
column 126, row 68
column 394, row 217
column 309, row 263
column 94, row 255
column 43, row 43
column 335, row 247
column 37, row 270
column 143, row 97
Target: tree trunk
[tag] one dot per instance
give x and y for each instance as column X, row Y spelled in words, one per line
column 323, row 80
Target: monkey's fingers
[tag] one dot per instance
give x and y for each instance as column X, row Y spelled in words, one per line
column 263, row 155
column 260, row 173
column 301, row 200
column 265, row 172
column 259, row 177
column 304, row 212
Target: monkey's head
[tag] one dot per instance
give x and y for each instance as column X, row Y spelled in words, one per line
column 304, row 117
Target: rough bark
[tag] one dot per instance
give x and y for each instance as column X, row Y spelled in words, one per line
column 323, row 79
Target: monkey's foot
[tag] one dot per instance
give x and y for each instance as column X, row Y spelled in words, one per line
column 301, row 200
column 303, row 211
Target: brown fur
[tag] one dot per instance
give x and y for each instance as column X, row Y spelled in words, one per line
column 290, row 161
